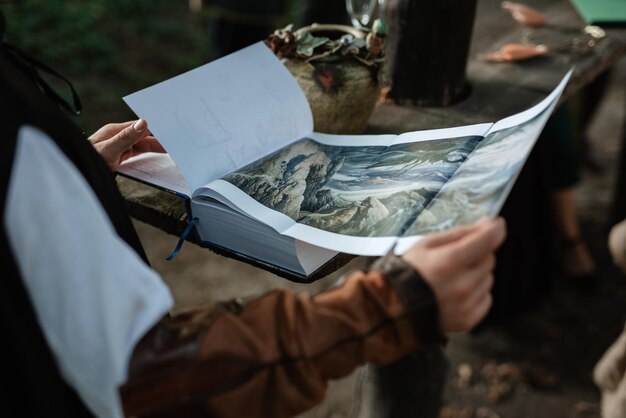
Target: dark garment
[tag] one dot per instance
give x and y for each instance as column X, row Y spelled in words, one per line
column 561, row 142
column 35, row 387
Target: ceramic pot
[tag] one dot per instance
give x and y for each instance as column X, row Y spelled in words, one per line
column 341, row 91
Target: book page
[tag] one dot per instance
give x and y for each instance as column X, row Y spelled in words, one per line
column 353, row 194
column 483, row 182
column 366, row 194
column 156, row 169
column 223, row 115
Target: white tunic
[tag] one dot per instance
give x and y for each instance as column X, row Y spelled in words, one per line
column 93, row 296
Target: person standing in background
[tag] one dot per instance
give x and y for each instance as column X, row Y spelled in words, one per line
column 575, row 259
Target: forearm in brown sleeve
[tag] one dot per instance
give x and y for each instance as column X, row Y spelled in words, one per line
column 274, row 356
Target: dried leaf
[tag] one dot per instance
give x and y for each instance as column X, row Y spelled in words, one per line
column 447, row 412
column 484, row 412
column 509, row 371
column 523, row 14
column 540, row 378
column 515, row 52
column 498, row 391
column 582, row 408
column 307, row 43
column 502, row 372
column 465, row 375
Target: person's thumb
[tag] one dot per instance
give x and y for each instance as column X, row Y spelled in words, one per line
column 451, row 235
column 473, row 247
column 128, row 137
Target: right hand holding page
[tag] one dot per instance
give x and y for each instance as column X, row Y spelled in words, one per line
column 458, row 265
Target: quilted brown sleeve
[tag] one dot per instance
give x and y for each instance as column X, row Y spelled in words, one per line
column 272, row 357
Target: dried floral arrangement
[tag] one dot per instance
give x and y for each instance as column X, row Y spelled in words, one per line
column 302, row 44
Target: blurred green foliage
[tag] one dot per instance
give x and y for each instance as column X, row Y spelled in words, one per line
column 109, row 48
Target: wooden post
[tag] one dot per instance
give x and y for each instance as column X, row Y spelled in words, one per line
column 428, row 48
column 410, row 387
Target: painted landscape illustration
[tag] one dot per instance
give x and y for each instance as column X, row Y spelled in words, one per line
column 391, row 191
column 365, row 191
column 478, row 187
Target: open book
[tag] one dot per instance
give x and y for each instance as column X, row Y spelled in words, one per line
column 242, row 147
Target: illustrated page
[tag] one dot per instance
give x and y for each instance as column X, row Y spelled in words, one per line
column 346, row 192
column 365, row 194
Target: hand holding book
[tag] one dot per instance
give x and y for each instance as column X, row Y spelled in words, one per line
column 458, row 266
column 117, row 142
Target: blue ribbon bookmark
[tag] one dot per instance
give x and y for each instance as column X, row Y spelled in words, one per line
column 182, row 239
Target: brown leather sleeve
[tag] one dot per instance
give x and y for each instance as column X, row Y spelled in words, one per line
column 272, row 357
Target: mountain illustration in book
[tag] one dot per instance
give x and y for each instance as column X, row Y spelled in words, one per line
column 480, row 185
column 384, row 191
column 366, row 191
